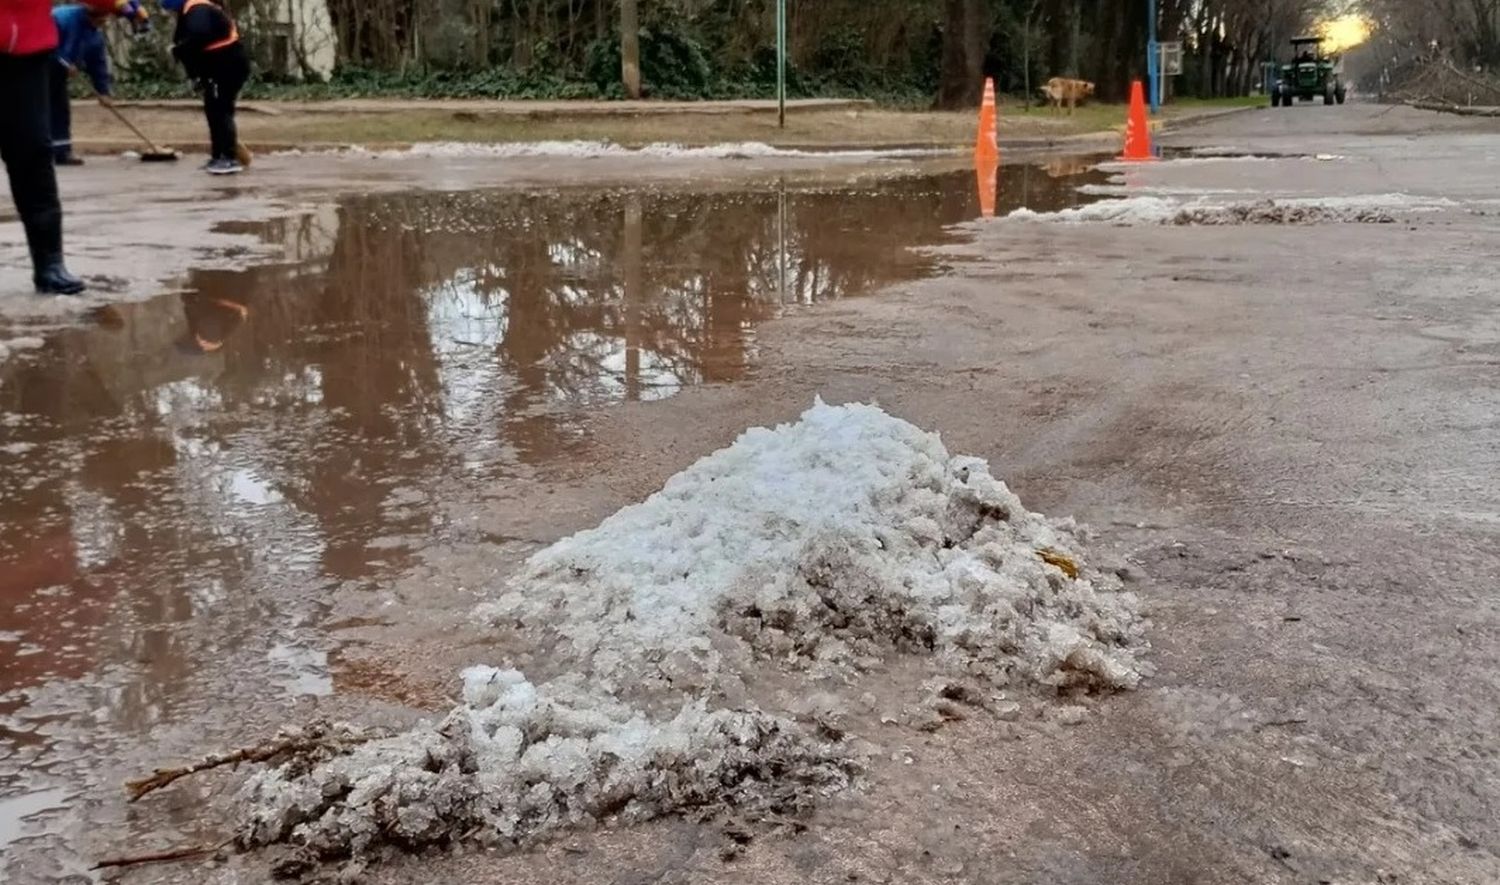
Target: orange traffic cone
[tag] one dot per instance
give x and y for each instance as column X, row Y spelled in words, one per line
column 988, row 143
column 1137, row 127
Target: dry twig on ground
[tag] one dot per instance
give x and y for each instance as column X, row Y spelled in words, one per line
column 320, row 736
column 160, row 856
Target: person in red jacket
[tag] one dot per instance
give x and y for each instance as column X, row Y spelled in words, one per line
column 28, row 37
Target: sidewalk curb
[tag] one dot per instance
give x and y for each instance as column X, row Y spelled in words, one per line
column 1099, row 141
column 502, row 108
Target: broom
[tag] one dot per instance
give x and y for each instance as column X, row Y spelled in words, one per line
column 152, row 154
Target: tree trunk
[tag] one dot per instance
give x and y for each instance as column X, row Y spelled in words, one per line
column 635, row 297
column 630, row 48
column 1026, row 36
column 966, row 37
column 1206, row 62
column 1075, row 38
column 1486, row 32
column 482, row 13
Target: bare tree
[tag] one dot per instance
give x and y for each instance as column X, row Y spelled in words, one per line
column 1468, row 31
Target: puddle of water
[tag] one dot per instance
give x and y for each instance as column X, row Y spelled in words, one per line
column 18, row 813
column 187, row 479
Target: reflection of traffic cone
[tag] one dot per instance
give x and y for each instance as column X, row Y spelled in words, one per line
column 987, row 174
column 1137, row 128
column 988, row 143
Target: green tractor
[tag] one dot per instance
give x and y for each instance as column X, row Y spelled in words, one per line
column 1309, row 75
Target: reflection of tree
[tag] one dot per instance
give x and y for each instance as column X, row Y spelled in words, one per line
column 359, row 320
column 604, row 296
column 411, row 328
column 635, row 294
column 408, row 328
column 92, row 553
column 379, row 382
column 37, row 549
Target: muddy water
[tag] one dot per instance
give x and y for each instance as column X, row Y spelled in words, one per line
column 188, row 479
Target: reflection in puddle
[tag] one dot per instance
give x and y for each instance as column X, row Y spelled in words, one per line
column 187, row 481
column 17, row 813
column 300, row 670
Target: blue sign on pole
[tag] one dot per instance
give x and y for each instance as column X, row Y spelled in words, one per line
column 1153, row 58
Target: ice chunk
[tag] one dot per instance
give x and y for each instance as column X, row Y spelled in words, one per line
column 1145, row 210
column 438, row 784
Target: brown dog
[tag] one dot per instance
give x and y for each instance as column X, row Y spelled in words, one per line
column 1061, row 89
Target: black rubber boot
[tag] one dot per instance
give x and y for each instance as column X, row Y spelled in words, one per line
column 48, row 273
column 52, row 278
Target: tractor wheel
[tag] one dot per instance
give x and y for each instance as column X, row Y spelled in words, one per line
column 1275, row 99
column 1340, row 95
column 1328, row 97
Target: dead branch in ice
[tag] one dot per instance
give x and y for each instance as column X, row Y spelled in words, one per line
column 320, row 738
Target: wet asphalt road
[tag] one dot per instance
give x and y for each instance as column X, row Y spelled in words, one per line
column 1291, row 434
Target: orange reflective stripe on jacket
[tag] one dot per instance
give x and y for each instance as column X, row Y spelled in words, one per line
column 234, row 29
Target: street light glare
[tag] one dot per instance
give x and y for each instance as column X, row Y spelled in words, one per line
column 1345, row 33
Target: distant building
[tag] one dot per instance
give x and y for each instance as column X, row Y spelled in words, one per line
column 294, row 38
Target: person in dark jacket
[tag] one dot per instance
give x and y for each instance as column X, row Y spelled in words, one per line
column 80, row 47
column 27, row 38
column 207, row 43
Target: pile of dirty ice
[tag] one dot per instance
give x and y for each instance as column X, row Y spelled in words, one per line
column 1161, row 209
column 810, row 551
column 590, row 150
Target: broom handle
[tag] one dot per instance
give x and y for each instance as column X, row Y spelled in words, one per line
column 131, row 126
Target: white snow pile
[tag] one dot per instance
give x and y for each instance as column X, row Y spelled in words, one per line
column 1221, row 154
column 1196, row 160
column 1128, row 211
column 808, row 552
column 845, row 534
column 1137, row 190
column 584, row 150
column 1145, row 210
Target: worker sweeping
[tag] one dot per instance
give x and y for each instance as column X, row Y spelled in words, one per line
column 207, row 43
column 80, row 47
column 28, row 37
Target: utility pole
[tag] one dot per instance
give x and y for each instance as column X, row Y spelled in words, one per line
column 630, row 48
column 781, row 63
column 1153, row 57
